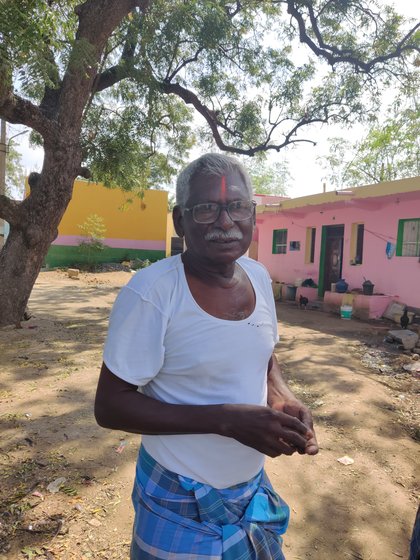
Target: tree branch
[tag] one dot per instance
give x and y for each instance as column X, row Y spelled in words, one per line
column 111, row 76
column 97, row 20
column 50, row 99
column 9, row 210
column 183, row 64
column 122, row 70
column 210, row 116
column 232, row 13
column 17, row 110
column 335, row 55
column 191, row 98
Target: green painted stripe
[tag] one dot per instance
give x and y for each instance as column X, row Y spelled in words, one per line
column 65, row 255
column 321, row 288
column 400, row 237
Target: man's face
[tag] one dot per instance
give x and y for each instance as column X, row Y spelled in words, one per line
column 224, row 240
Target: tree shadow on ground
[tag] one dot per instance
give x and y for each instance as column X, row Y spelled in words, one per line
column 47, row 388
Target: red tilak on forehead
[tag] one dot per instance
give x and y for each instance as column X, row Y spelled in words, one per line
column 223, row 189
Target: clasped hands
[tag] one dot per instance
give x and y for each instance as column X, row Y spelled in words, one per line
column 296, row 409
column 282, row 428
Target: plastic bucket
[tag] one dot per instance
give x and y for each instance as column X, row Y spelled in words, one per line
column 346, row 311
column 291, row 293
column 276, row 290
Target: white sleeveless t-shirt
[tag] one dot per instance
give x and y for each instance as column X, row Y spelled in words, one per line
column 161, row 340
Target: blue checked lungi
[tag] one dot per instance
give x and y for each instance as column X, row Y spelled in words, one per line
column 177, row 518
column 415, row 539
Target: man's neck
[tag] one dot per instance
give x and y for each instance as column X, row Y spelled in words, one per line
column 209, row 272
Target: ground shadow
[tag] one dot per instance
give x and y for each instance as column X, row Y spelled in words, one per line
column 47, row 386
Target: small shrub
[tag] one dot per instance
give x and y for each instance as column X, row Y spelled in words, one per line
column 94, row 230
column 136, row 264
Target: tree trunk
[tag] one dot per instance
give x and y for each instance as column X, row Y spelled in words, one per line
column 34, row 229
column 34, row 222
column 19, row 268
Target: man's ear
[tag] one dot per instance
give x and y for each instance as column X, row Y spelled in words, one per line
column 178, row 220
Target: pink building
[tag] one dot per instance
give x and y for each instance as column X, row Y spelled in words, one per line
column 370, row 232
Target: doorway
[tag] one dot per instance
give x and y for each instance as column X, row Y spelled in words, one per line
column 331, row 259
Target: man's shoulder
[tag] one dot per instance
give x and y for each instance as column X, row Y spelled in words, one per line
column 253, row 266
column 159, row 274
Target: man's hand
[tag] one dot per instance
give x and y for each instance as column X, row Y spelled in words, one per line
column 281, row 398
column 297, row 409
column 272, row 432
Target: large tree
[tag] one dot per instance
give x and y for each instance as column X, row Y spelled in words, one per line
column 389, row 150
column 105, row 84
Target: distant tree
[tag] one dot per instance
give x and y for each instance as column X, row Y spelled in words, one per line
column 171, row 202
column 389, row 151
column 15, row 174
column 335, row 161
column 104, row 85
column 268, row 178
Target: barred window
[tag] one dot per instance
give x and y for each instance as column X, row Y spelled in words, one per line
column 279, row 241
column 408, row 240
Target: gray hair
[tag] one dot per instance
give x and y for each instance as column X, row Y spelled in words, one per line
column 209, row 164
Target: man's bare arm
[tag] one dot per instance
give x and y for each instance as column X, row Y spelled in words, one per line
column 120, row 406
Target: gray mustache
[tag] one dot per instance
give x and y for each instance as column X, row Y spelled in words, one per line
column 223, row 235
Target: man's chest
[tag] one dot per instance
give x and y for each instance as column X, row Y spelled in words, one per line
column 230, row 302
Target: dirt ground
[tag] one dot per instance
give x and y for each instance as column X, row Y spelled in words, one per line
column 365, row 406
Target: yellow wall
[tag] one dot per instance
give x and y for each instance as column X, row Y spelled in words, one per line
column 141, row 219
column 170, row 231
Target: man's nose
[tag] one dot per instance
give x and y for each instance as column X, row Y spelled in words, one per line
column 224, row 221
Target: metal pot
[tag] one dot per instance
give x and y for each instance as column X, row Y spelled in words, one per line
column 367, row 288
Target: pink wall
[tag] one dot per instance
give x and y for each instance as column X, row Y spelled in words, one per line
column 398, row 276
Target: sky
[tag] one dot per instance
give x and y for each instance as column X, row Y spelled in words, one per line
column 307, row 175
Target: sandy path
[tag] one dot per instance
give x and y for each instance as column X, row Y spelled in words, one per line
column 48, row 374
column 364, row 510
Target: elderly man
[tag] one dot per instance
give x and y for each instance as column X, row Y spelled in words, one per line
column 189, row 364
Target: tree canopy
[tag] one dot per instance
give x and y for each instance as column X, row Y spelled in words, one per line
column 390, row 150
column 112, row 86
column 233, row 62
column 269, row 178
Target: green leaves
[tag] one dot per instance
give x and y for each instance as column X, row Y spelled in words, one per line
column 248, row 123
column 93, row 227
column 15, row 174
column 389, row 151
column 268, row 178
column 258, row 71
column 35, row 41
column 137, row 145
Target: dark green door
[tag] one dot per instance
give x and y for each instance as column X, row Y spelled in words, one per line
column 331, row 259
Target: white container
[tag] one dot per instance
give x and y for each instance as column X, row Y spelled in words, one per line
column 276, row 290
column 346, row 311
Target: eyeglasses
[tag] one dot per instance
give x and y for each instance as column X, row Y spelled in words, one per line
column 209, row 212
